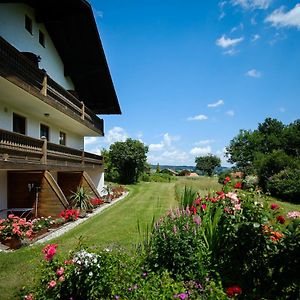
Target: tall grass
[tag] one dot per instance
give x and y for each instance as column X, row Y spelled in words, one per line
column 187, row 197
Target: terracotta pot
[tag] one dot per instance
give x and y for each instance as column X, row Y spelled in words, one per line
column 13, row 243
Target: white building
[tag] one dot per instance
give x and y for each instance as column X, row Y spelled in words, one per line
column 54, row 79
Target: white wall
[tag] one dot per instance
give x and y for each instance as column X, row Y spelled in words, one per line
column 97, row 177
column 12, row 28
column 73, row 140
column 3, row 192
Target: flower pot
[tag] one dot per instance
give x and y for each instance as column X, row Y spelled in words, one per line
column 13, row 242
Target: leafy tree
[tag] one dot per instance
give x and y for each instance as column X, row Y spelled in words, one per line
column 129, row 159
column 241, row 150
column 207, row 163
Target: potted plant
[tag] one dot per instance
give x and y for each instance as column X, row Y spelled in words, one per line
column 81, row 200
column 13, row 230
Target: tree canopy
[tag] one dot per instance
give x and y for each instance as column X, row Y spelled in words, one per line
column 128, row 159
column 271, row 152
column 207, row 163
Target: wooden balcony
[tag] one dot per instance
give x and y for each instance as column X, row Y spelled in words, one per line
column 22, row 71
column 18, row 151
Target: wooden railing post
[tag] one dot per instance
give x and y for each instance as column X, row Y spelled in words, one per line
column 45, row 85
column 82, row 157
column 82, row 110
column 44, row 150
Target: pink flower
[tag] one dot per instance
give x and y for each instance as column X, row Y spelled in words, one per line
column 60, row 271
column 274, row 206
column 237, row 207
column 174, row 229
column 197, row 220
column 52, row 284
column 233, row 197
column 203, row 206
column 28, row 297
column 11, row 216
column 49, row 251
column 61, row 278
column 293, row 214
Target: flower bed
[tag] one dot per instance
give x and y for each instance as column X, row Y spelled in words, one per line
column 229, row 244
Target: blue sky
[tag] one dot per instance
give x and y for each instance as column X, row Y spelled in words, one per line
column 189, row 74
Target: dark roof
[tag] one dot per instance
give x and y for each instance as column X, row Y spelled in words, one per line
column 72, row 27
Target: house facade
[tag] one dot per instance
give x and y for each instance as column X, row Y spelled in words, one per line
column 54, row 82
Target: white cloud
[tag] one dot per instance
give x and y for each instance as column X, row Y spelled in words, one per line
column 253, row 4
column 239, row 27
column 216, row 104
column 228, row 42
column 197, row 118
column 165, row 143
column 253, row 73
column 90, row 140
column 174, row 157
column 205, row 142
column 255, row 38
column 231, row 52
column 221, row 154
column 98, row 13
column 280, row 18
column 201, row 150
column 230, row 113
column 116, row 134
column 222, row 12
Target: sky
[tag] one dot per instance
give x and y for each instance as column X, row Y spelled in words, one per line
column 189, row 74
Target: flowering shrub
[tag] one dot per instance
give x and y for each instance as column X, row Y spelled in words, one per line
column 42, row 223
column 69, row 214
column 96, row 202
column 15, row 226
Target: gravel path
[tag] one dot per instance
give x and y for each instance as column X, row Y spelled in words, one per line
column 68, row 226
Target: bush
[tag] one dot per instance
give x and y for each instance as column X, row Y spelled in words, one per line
column 159, row 177
column 286, row 185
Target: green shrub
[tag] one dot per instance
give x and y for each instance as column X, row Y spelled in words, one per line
column 286, row 185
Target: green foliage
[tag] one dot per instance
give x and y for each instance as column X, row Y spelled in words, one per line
column 81, row 199
column 285, row 185
column 208, row 163
column 129, row 159
column 267, row 151
column 161, row 177
column 187, row 198
column 158, row 168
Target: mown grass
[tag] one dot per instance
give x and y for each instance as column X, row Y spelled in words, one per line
column 117, row 225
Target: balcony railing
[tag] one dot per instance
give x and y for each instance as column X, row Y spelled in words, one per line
column 14, row 63
column 16, row 147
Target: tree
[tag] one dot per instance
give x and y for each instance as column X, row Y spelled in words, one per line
column 129, row 159
column 158, row 168
column 207, row 163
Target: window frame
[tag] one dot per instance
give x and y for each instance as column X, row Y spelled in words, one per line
column 19, row 117
column 64, row 139
column 42, row 38
column 28, row 24
column 47, row 136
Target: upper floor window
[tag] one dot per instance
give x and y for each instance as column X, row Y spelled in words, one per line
column 28, row 24
column 42, row 38
column 62, row 138
column 19, row 124
column 44, row 131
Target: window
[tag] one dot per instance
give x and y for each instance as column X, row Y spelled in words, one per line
column 62, row 138
column 42, row 38
column 28, row 24
column 19, row 124
column 44, row 131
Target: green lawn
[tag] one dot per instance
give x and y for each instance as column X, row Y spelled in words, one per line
column 116, row 225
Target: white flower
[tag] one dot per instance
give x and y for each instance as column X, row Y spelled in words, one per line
column 91, row 274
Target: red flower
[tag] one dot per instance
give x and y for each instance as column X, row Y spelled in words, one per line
column 274, row 206
column 227, row 179
column 281, row 219
column 197, row 201
column 233, row 291
column 193, row 209
column 238, row 185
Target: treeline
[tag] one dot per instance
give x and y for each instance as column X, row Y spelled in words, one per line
column 272, row 153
